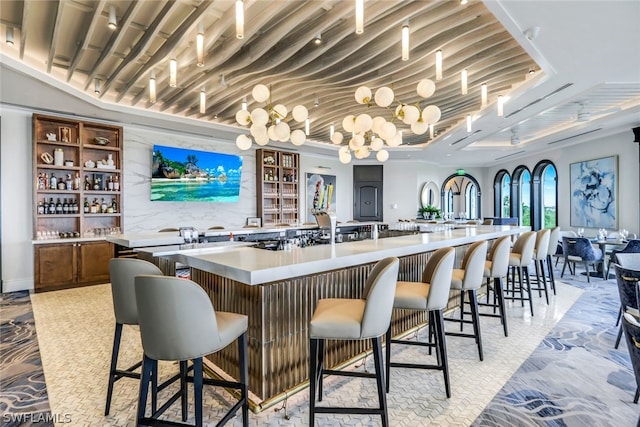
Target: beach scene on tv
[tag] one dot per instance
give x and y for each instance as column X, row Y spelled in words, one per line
column 184, row 175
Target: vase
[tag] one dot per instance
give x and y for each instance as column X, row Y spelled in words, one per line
column 110, row 159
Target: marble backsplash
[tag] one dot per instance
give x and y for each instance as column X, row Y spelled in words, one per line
column 143, row 215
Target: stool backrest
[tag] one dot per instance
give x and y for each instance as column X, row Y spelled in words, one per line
column 379, row 291
column 473, row 265
column 524, row 245
column 542, row 243
column 177, row 320
column 438, row 273
column 554, row 240
column 122, row 272
column 499, row 257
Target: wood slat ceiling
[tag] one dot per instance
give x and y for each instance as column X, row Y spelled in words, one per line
column 70, row 40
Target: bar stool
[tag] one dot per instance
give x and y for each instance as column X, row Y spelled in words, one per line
column 496, row 267
column 520, row 258
column 353, row 319
column 178, row 323
column 122, row 272
column 554, row 239
column 430, row 295
column 469, row 279
column 540, row 252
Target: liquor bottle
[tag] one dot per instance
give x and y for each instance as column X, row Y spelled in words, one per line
column 40, row 207
column 110, row 183
column 65, row 207
column 76, row 182
column 114, row 205
column 46, row 181
column 74, row 207
column 87, row 183
column 95, row 206
column 52, row 207
column 68, row 183
column 40, row 181
column 103, row 206
column 97, row 184
column 116, row 184
column 53, row 184
column 58, row 207
column 85, row 209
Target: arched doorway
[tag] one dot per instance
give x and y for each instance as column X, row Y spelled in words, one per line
column 461, row 197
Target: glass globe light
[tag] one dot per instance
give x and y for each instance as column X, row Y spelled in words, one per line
column 419, row 127
column 300, row 113
column 362, row 153
column 271, row 133
column 345, row 158
column 280, row 111
column 358, row 140
column 257, row 130
column 396, row 140
column 376, row 144
column 337, row 138
column 384, row 96
column 382, row 155
column 426, row 88
column 282, row 131
column 243, row 117
column 363, row 123
column 348, row 123
column 262, row 140
column 388, row 131
column 351, row 145
column 431, row 114
column 376, row 124
column 343, row 150
column 298, row 137
column 243, row 142
column 411, row 114
column 260, row 93
column 363, row 95
column 259, row 116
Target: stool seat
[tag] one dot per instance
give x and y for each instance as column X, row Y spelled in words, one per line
column 337, row 318
column 230, row 327
column 411, row 295
column 457, row 277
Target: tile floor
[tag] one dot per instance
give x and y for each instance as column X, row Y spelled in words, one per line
column 557, row 368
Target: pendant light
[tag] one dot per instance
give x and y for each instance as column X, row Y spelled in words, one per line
column 113, row 23
column 500, row 106
column 438, row 65
column 200, row 46
column 405, row 41
column 483, row 95
column 463, row 81
column 152, row 88
column 203, row 101
column 359, row 16
column 239, row 19
column 173, row 72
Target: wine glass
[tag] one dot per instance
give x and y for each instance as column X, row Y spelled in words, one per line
column 580, row 232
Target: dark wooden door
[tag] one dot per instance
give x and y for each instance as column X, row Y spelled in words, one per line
column 367, row 193
column 93, row 262
column 55, row 265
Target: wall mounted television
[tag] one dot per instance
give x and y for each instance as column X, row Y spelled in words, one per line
column 185, row 175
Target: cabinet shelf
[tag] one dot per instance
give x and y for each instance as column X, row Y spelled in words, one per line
column 58, row 143
column 272, row 193
column 61, row 168
column 53, row 216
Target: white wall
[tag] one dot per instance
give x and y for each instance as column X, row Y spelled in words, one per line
column 628, row 192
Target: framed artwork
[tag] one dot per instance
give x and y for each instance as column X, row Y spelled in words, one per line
column 594, row 188
column 321, row 194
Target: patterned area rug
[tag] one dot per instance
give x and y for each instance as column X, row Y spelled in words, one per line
column 23, row 393
column 575, row 377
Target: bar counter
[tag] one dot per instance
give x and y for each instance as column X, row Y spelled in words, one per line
column 278, row 290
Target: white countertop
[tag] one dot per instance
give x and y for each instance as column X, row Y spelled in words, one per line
column 256, row 266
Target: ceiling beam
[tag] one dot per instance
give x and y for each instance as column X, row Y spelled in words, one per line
column 54, row 34
column 26, row 6
column 87, row 38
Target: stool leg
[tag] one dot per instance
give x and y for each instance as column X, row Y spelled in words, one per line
column 526, row 279
column 320, row 368
column 184, row 389
column 243, row 351
column 387, row 350
column 145, row 378
column 618, row 338
column 117, row 336
column 552, row 277
column 473, row 300
column 442, row 349
column 376, row 347
column 497, row 286
column 197, row 389
column 313, row 377
column 520, row 272
column 544, row 281
column 461, row 310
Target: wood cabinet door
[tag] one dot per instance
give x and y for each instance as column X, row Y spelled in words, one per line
column 55, row 265
column 93, row 262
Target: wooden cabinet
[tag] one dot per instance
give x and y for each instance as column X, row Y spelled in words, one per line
column 64, row 265
column 77, row 178
column 277, row 186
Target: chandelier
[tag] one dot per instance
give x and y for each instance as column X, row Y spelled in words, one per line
column 270, row 122
column 378, row 130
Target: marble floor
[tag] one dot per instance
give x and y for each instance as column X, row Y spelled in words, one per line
column 558, row 368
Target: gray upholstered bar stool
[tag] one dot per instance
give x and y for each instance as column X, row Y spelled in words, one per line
column 468, row 279
column 430, row 295
column 178, row 323
column 122, row 272
column 554, row 239
column 353, row 319
column 520, row 258
column 540, row 252
column 496, row 267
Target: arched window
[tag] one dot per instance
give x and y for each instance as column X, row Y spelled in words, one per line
column 521, row 195
column 471, row 197
column 502, row 194
column 545, row 195
column 461, row 197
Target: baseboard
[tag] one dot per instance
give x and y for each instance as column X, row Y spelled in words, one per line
column 24, row 284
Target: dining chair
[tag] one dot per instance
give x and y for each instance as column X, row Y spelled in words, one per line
column 633, row 246
column 580, row 250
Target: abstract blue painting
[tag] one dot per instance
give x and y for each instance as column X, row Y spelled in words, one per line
column 594, row 193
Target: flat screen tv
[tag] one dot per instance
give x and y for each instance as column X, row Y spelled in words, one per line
column 185, row 175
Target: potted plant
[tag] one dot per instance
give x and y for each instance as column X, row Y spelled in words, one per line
column 429, row 212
